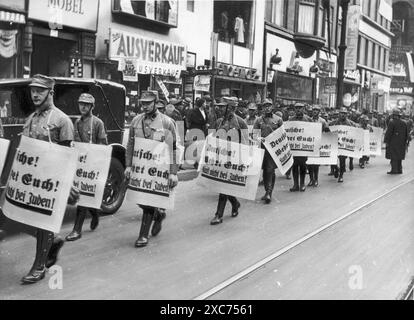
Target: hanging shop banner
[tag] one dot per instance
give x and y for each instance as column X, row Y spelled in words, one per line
column 149, row 182
column 375, row 141
column 128, row 67
column 304, row 138
column 38, row 187
column 153, row 56
column 277, row 144
column 328, row 152
column 164, row 89
column 230, row 168
column 91, row 173
column 350, row 141
column 352, row 32
column 4, row 148
column 202, row 83
column 79, row 14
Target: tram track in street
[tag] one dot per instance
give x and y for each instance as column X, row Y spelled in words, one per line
column 408, row 295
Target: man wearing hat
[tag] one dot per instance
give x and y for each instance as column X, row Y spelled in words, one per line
column 365, row 126
column 47, row 123
column 299, row 163
column 230, row 121
column 342, row 121
column 314, row 168
column 372, row 120
column 267, row 123
column 396, row 139
column 251, row 116
column 88, row 129
column 152, row 125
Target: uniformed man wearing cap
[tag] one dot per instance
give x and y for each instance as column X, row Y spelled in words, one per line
column 396, row 139
column 47, row 123
column 299, row 163
column 342, row 121
column 364, row 124
column 314, row 168
column 230, row 121
column 251, row 116
column 268, row 123
column 152, row 125
column 88, row 129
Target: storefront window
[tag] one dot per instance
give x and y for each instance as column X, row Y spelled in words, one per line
column 9, row 46
column 233, row 21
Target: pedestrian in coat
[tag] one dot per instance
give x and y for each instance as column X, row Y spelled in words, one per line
column 396, row 139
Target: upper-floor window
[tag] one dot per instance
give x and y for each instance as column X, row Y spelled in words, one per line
column 233, row 21
column 276, row 12
column 163, row 11
column 306, row 16
column 190, row 5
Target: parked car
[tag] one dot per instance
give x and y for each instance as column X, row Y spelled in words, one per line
column 109, row 107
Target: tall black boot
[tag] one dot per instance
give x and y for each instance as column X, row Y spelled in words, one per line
column 44, row 241
column 147, row 217
column 266, row 182
column 311, row 175
column 235, row 205
column 302, row 186
column 315, row 176
column 159, row 216
column 77, row 228
column 399, row 167
column 295, row 173
column 221, row 205
column 57, row 244
column 95, row 219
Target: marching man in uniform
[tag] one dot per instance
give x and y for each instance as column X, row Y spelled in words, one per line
column 268, row 123
column 314, row 168
column 152, row 125
column 47, row 123
column 88, row 129
column 230, row 121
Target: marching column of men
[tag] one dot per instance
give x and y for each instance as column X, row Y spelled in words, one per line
column 48, row 123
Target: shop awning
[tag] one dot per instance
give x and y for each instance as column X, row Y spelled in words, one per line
column 6, row 16
column 240, row 80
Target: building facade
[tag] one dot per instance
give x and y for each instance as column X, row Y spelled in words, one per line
column 401, row 66
column 300, row 45
column 368, row 86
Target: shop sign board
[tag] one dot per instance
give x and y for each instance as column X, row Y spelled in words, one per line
column 79, row 14
column 153, row 56
column 352, row 32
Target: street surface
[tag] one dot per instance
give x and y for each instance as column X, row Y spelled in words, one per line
column 190, row 257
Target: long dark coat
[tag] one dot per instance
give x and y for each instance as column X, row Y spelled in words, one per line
column 396, row 138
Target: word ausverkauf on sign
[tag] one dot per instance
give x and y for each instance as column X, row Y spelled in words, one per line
column 91, row 173
column 153, row 56
column 150, row 172
column 38, row 186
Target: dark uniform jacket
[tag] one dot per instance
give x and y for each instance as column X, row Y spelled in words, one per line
column 197, row 121
column 396, row 138
column 267, row 125
column 234, row 122
column 90, row 130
